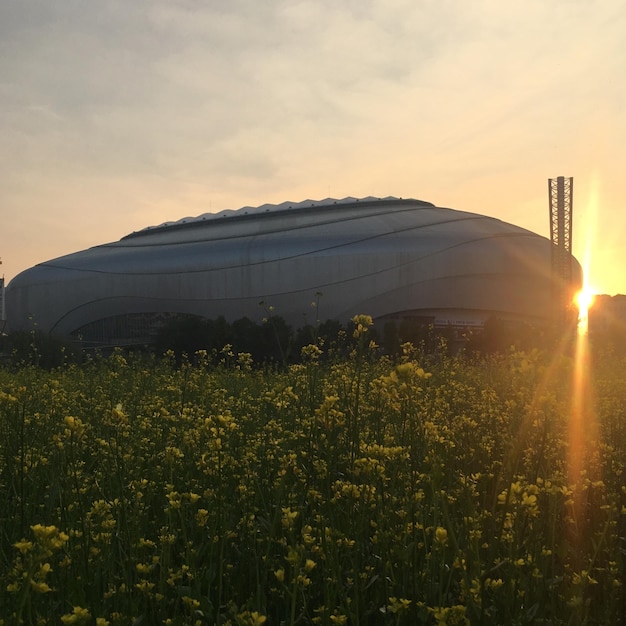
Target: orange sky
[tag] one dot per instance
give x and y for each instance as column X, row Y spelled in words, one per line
column 115, row 116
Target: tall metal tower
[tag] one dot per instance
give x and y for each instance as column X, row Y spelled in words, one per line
column 561, row 195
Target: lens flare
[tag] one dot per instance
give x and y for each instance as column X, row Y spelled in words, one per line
column 584, row 301
column 583, row 428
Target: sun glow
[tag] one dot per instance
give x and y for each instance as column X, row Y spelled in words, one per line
column 583, row 431
column 584, row 301
column 584, row 298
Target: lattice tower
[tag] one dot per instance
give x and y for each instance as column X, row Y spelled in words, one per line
column 561, row 193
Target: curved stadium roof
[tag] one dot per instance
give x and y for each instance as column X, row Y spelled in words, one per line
column 387, row 257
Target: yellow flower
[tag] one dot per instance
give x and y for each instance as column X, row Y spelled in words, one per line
column 77, row 616
column 529, row 500
column 280, row 574
column 49, row 537
column 190, row 603
column 311, row 353
column 289, row 517
column 251, row 618
column 293, row 557
column 44, row 532
column 23, row 546
column 449, row 615
column 361, row 324
column 398, row 604
column 40, row 587
column 173, row 499
column 144, row 586
column 202, row 517
column 441, row 536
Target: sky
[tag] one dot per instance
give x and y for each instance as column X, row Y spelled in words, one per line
column 117, row 115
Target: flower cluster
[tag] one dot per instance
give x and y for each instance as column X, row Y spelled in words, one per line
column 336, row 491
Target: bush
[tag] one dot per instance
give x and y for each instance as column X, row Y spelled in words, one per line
column 39, row 349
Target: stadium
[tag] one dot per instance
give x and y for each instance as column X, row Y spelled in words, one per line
column 390, row 258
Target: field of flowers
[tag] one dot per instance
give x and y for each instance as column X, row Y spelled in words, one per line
column 360, row 490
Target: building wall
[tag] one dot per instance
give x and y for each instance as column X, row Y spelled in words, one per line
column 376, row 257
column 2, row 307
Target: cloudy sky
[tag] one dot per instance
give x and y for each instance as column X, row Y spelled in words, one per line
column 116, row 115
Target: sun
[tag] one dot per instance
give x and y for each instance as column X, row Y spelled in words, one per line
column 584, row 300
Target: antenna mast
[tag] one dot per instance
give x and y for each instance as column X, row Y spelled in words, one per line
column 561, row 194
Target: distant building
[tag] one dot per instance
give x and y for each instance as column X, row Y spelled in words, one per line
column 391, row 258
column 2, row 311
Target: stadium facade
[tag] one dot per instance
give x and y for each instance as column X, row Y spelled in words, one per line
column 390, row 258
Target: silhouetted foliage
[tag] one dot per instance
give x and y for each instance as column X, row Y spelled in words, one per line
column 272, row 340
column 277, row 340
column 220, row 333
column 186, row 335
column 40, row 349
column 331, row 332
column 500, row 336
column 330, row 335
column 304, row 336
column 183, row 335
column 391, row 340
